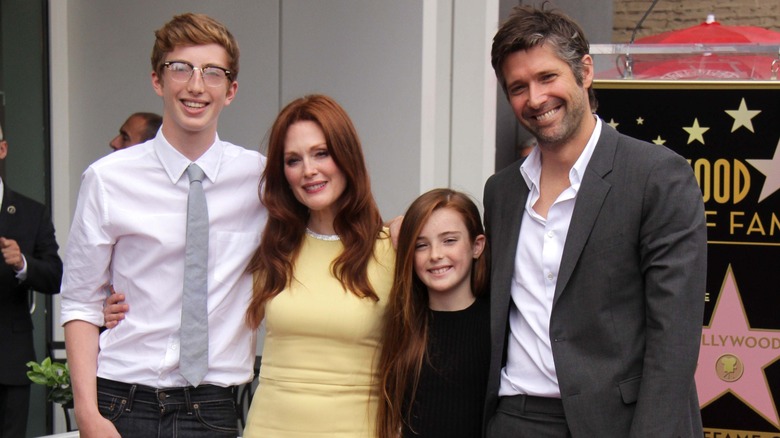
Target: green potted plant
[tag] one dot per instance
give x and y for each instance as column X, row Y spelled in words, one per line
column 54, row 375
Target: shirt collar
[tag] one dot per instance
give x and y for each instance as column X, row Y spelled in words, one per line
column 175, row 164
column 577, row 171
column 531, row 168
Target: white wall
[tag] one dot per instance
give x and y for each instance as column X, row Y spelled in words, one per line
column 473, row 96
column 368, row 56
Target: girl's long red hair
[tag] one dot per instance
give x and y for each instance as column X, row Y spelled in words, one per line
column 406, row 320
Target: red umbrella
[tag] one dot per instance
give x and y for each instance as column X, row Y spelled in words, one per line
column 747, row 65
column 703, row 67
column 713, row 33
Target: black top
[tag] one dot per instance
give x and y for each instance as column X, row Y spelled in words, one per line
column 451, row 393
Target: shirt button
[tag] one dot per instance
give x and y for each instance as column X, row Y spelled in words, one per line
column 550, row 234
column 549, row 276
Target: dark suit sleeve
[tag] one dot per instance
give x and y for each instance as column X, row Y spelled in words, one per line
column 673, row 260
column 491, row 390
column 504, row 200
column 44, row 267
column 487, row 202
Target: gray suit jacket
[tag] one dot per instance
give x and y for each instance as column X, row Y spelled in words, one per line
column 627, row 312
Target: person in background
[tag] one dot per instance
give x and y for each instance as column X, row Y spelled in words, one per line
column 323, row 273
column 525, row 147
column 131, row 229
column 598, row 250
column 138, row 128
column 434, row 362
column 30, row 262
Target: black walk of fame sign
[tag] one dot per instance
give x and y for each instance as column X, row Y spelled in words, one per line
column 730, row 133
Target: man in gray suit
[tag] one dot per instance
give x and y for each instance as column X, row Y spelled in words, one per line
column 599, row 258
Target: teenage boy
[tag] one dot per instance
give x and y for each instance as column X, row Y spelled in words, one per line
column 131, row 229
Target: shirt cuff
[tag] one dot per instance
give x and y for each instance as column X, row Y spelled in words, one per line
column 22, row 275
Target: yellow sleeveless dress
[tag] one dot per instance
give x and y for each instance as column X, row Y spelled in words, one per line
column 318, row 374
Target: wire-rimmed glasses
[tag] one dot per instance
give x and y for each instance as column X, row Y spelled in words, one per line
column 181, row 71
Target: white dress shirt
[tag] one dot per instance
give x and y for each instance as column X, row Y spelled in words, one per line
column 129, row 231
column 530, row 368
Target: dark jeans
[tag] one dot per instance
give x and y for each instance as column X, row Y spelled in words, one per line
column 522, row 416
column 142, row 411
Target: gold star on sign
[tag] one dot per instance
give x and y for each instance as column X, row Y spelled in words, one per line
column 640, row 121
column 743, row 116
column 659, row 141
column 613, row 123
column 695, row 132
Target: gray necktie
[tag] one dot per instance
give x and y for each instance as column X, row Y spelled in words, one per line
column 194, row 353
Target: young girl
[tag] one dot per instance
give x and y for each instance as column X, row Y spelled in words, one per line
column 434, row 362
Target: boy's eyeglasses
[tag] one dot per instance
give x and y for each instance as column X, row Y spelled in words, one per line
column 181, row 71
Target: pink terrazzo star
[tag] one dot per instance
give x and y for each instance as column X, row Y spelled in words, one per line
column 729, row 336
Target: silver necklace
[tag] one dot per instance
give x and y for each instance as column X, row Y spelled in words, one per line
column 326, row 237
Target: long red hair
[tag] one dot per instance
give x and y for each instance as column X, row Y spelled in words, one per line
column 406, row 320
column 357, row 223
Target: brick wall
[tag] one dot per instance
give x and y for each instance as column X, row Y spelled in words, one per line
column 676, row 14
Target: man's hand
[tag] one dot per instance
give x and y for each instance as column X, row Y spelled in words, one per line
column 115, row 309
column 12, row 254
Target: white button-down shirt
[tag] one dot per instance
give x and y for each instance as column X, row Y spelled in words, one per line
column 530, row 368
column 129, row 231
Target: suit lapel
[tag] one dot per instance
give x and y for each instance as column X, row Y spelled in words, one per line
column 590, row 198
column 507, row 225
column 4, row 218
